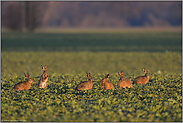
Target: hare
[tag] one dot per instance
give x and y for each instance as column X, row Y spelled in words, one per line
column 142, row 79
column 85, row 84
column 106, row 84
column 123, row 83
column 44, row 78
column 25, row 85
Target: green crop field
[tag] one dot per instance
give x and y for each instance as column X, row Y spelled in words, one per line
column 70, row 54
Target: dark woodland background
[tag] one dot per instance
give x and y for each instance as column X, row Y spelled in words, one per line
column 27, row 16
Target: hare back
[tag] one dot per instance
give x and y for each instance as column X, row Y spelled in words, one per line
column 128, row 81
column 125, row 84
column 108, row 85
column 84, row 85
column 22, row 86
column 141, row 80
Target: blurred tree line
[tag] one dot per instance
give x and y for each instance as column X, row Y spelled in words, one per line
column 29, row 15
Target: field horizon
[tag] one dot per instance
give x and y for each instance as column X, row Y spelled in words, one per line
column 100, row 29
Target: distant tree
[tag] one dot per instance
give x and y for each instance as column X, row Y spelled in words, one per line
column 11, row 15
column 28, row 15
column 21, row 16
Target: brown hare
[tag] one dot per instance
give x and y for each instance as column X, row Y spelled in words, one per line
column 142, row 79
column 44, row 78
column 106, row 84
column 123, row 83
column 24, row 85
column 85, row 84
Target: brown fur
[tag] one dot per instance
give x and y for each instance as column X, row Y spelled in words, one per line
column 85, row 84
column 142, row 79
column 24, row 85
column 106, row 84
column 44, row 78
column 123, row 83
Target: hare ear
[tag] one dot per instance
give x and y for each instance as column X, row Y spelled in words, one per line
column 144, row 70
column 107, row 76
column 119, row 73
column 25, row 75
column 42, row 67
column 89, row 75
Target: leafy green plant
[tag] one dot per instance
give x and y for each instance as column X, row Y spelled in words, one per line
column 60, row 102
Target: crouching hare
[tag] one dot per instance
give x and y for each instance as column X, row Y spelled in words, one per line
column 142, row 79
column 25, row 85
column 123, row 83
column 106, row 84
column 85, row 84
